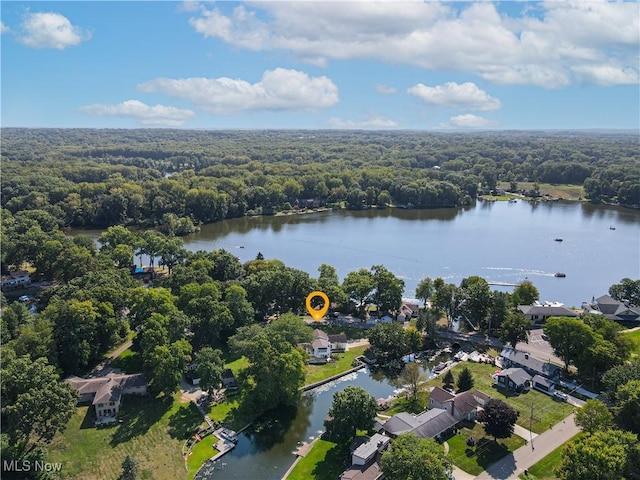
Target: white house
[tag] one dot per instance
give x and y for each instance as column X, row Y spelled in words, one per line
column 15, row 280
column 368, row 451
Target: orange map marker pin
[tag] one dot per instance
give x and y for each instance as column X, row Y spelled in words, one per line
column 317, row 314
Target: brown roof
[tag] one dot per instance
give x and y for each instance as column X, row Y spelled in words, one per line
column 338, row 338
column 465, row 402
column 108, row 388
column 440, row 395
column 372, row 472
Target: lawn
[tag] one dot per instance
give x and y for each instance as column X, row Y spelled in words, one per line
column 128, row 361
column 201, row 452
column 543, row 470
column 635, row 338
column 325, row 461
column 315, row 373
column 153, row 432
column 546, row 410
column 567, row 192
column 476, row 459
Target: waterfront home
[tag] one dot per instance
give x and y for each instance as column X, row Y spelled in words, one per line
column 612, row 309
column 510, row 357
column 367, row 451
column 320, row 348
column 105, row 393
column 462, row 406
column 538, row 313
column 338, row 342
column 14, row 280
column 515, row 379
column 435, row 423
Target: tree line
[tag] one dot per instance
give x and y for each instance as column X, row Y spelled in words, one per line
column 175, row 179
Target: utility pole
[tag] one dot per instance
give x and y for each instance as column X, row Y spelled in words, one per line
column 530, row 426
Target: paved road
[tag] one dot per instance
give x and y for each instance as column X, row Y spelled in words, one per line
column 514, row 464
column 539, row 348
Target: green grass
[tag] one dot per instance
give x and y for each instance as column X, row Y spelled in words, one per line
column 315, row 373
column 568, row 192
column 325, row 461
column 486, row 451
column 128, row 361
column 237, row 365
column 201, row 452
column 401, row 404
column 543, row 470
column 635, row 339
column 546, row 410
column 152, row 431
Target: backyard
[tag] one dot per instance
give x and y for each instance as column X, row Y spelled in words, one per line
column 344, row 361
column 152, row 432
column 325, row 461
column 200, row 453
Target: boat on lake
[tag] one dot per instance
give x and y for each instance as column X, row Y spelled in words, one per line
column 560, row 275
column 558, row 239
column 611, row 227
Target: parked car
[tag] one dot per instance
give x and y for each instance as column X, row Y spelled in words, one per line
column 560, row 395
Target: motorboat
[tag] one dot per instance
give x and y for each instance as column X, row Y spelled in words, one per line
column 560, row 275
column 558, row 239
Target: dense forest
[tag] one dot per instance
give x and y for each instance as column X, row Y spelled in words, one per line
column 176, row 179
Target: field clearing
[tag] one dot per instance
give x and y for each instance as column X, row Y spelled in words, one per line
column 566, row 192
column 152, row 431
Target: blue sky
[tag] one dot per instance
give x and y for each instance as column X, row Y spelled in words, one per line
column 332, row 64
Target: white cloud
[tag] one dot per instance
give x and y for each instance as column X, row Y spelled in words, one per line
column 458, row 95
column 385, row 89
column 606, row 74
column 50, row 30
column 141, row 112
column 540, row 46
column 469, row 121
column 374, row 121
column 279, row 89
column 4, row 28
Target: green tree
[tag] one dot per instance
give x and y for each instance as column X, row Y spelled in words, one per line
column 241, row 310
column 515, row 329
column 35, row 404
column 627, row 291
column 628, row 405
column 569, row 338
column 226, row 266
column 328, row 283
column 476, row 299
column 415, row 458
column 388, row 289
column 445, row 296
column 425, row 289
column 465, row 380
column 209, row 369
column 448, row 379
column 130, row 469
column 593, row 416
column 602, row 455
column 388, row 342
column 167, row 364
column 292, row 329
column 498, row 418
column 413, row 380
column 525, row 293
column 359, row 286
column 619, row 375
column 352, row 409
column 384, row 199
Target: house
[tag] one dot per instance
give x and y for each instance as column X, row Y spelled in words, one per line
column 612, row 309
column 538, row 313
column 320, row 348
column 366, row 452
column 146, row 274
column 435, row 423
column 515, row 379
column 105, row 393
column 407, row 311
column 543, row 384
column 14, row 280
column 515, row 358
column 463, row 406
column 371, row 472
column 229, row 380
column 338, row 342
column 386, row 318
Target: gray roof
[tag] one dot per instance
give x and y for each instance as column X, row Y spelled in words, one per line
column 547, row 310
column 527, row 361
column 516, row 375
column 428, row 424
column 108, row 388
column 540, row 380
column 440, row 395
column 320, row 343
column 338, row 338
column 369, row 448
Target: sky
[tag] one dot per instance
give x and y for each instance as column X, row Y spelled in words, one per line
column 321, row 65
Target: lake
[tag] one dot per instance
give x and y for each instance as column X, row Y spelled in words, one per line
column 499, row 241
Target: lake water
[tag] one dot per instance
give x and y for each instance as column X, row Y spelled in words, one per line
column 499, row 241
column 266, row 449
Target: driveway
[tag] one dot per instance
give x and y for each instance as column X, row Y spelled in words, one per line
column 514, row 464
column 539, row 348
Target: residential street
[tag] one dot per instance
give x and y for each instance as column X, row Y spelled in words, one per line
column 514, row 464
